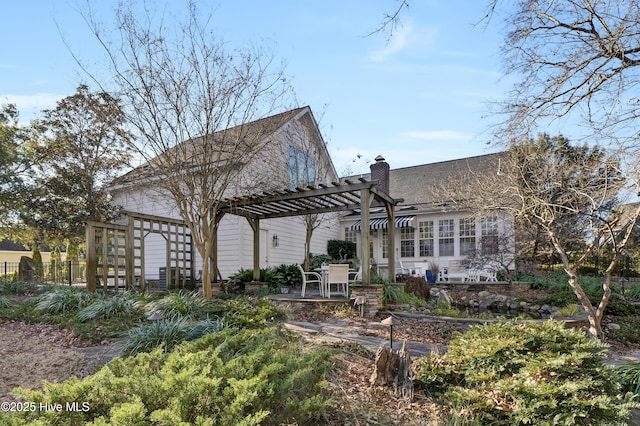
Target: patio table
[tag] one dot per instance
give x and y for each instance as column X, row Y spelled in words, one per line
column 324, row 278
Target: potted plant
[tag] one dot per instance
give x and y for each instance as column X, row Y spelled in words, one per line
column 432, row 272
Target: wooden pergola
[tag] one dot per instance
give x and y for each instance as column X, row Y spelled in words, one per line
column 323, row 198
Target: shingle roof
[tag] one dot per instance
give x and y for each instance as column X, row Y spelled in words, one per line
column 258, row 129
column 420, row 185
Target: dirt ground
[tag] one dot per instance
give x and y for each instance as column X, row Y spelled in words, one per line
column 32, row 353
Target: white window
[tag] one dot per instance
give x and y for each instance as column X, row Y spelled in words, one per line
column 489, row 235
column 467, row 236
column 407, row 242
column 446, row 237
column 302, row 168
column 425, row 237
column 385, row 242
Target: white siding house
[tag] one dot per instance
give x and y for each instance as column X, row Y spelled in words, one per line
column 300, row 158
column 428, row 228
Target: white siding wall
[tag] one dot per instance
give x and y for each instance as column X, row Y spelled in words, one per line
column 235, row 242
column 235, row 237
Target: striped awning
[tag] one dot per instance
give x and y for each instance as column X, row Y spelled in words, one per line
column 381, row 223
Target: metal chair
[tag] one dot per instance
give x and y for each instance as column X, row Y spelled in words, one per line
column 310, row 278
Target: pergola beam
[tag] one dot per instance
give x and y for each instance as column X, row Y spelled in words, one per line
column 324, row 198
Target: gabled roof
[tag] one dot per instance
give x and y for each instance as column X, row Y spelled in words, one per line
column 421, row 185
column 260, row 129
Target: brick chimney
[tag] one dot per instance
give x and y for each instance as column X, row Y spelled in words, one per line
column 380, row 172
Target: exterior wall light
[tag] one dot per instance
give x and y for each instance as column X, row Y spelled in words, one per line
column 275, row 240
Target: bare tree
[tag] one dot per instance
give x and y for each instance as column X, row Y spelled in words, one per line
column 189, row 100
column 553, row 185
column 572, row 58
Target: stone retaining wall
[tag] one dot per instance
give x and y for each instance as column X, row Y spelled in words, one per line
column 373, row 298
column 494, row 287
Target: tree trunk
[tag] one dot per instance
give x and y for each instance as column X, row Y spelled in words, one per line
column 205, row 252
column 595, row 326
column 307, row 246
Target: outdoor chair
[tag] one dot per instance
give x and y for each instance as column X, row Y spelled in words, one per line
column 400, row 269
column 355, row 275
column 487, row 274
column 338, row 276
column 456, row 270
column 310, row 278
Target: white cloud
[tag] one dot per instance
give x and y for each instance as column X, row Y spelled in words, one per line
column 395, row 44
column 437, row 135
column 38, row 100
column 30, row 106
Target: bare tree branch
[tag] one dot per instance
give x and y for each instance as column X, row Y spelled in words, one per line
column 391, row 21
column 572, row 58
column 199, row 111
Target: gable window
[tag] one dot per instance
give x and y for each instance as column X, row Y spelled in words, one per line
column 407, row 243
column 425, row 237
column 467, row 236
column 489, row 235
column 445, row 237
column 302, row 168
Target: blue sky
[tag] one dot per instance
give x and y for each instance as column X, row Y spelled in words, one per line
column 420, row 98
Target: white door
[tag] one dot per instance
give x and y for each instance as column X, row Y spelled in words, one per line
column 264, row 248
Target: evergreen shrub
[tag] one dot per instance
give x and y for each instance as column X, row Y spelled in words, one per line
column 341, row 249
column 286, row 276
column 248, row 377
column 509, row 373
column 36, row 256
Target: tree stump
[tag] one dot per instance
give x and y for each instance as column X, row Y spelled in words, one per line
column 394, row 367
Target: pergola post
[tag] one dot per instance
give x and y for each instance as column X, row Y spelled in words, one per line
column 91, row 257
column 255, row 226
column 391, row 241
column 365, row 202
